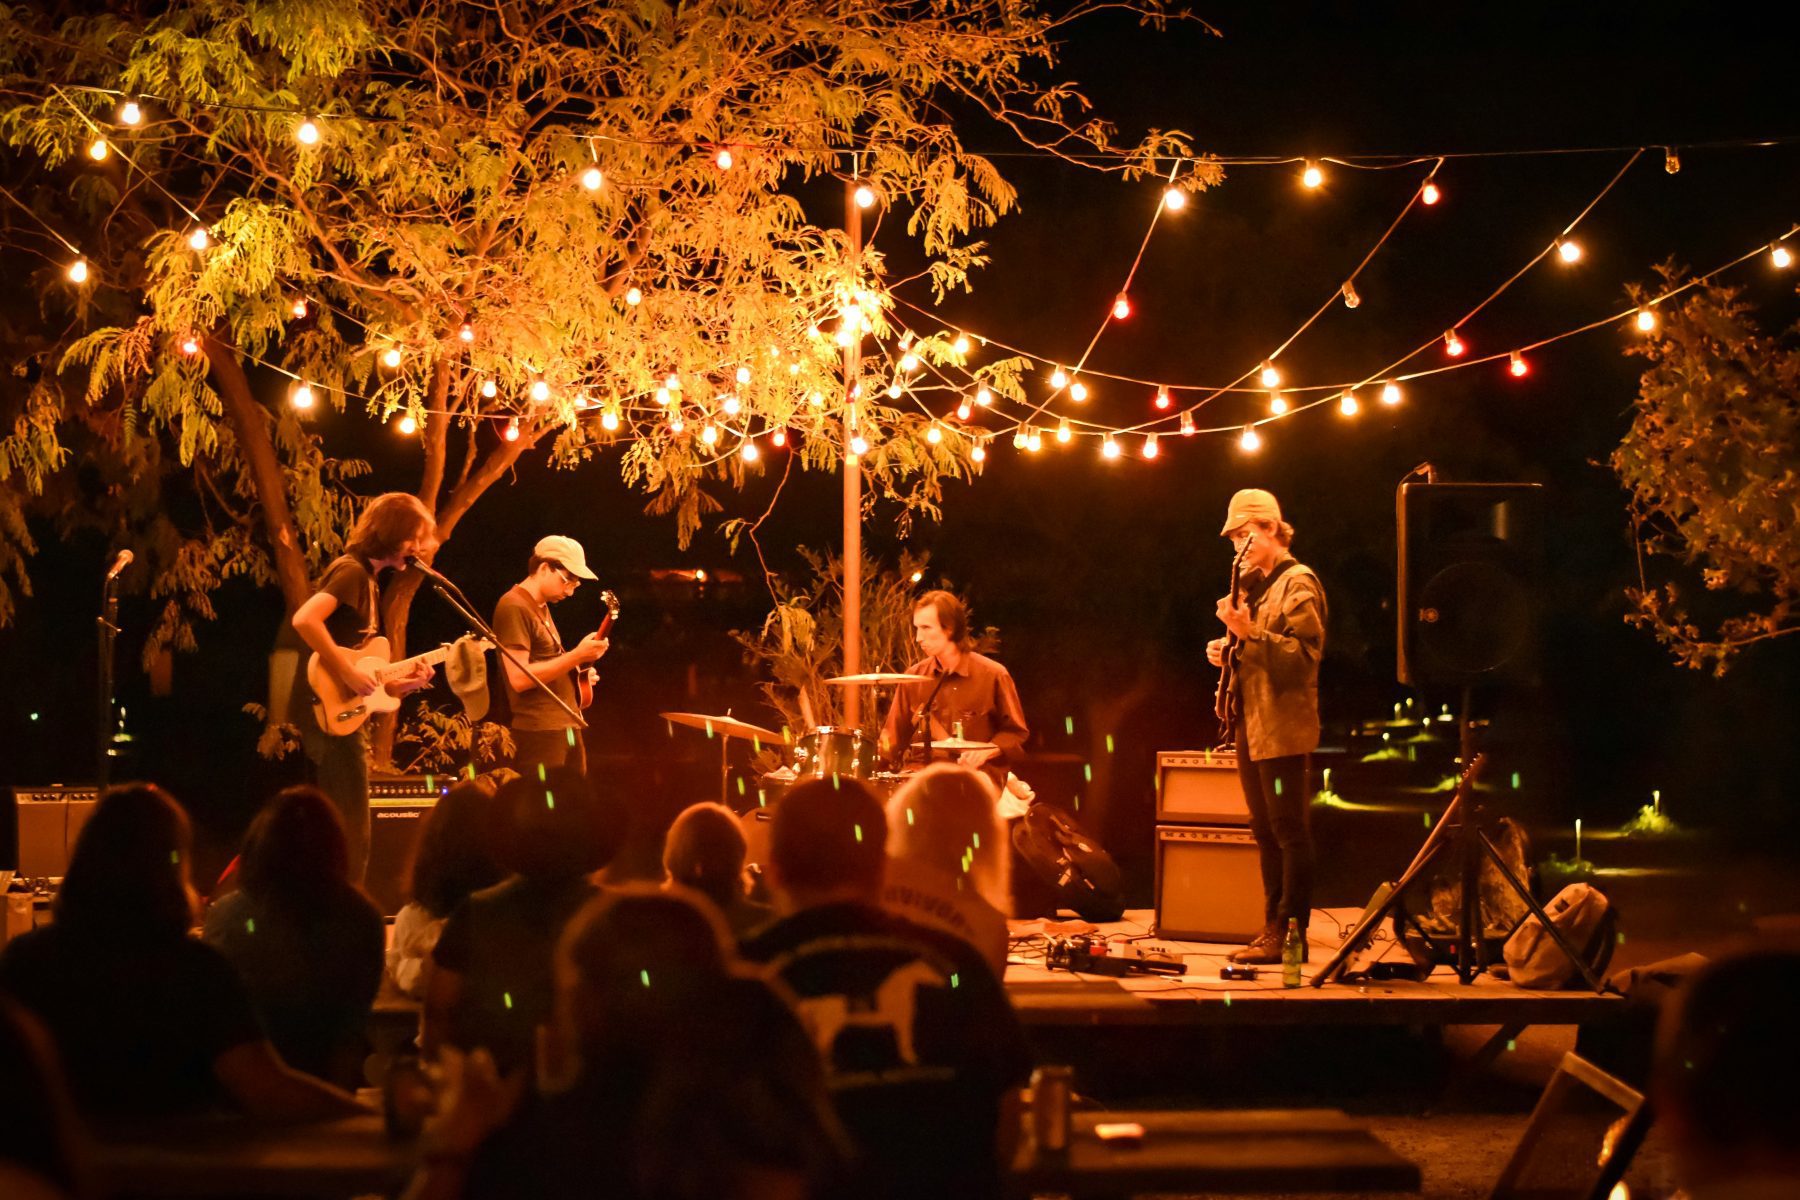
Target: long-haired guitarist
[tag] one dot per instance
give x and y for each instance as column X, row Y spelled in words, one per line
column 542, row 731
column 342, row 614
column 1275, row 637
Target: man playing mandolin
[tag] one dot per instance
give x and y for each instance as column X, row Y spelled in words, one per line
column 543, row 733
column 1276, row 631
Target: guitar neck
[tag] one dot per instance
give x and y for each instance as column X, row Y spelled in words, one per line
column 395, row 670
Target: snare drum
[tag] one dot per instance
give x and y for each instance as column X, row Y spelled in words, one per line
column 833, row 750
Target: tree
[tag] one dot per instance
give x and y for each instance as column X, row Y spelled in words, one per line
column 1710, row 462
column 570, row 229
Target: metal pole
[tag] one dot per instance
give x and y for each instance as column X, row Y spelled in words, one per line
column 852, row 483
column 108, row 627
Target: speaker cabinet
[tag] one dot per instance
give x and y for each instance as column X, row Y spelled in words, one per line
column 397, row 808
column 1470, row 570
column 1199, row 787
column 1208, row 884
column 46, row 821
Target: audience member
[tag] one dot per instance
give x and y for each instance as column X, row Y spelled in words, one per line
column 705, row 851
column 923, row 1052
column 454, row 858
column 43, row 1152
column 948, row 858
column 147, row 1019
column 490, row 980
column 307, row 943
column 1727, row 1054
column 672, row 1074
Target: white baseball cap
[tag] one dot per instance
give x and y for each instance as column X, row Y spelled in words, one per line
column 566, row 551
column 1251, row 504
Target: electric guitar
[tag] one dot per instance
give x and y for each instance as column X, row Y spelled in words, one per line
column 586, row 677
column 1225, row 699
column 340, row 710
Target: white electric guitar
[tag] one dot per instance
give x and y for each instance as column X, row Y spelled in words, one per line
column 342, row 711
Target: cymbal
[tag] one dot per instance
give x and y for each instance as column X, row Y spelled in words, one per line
column 878, row 678
column 962, row 744
column 724, row 726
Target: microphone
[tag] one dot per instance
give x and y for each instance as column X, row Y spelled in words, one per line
column 119, row 564
column 418, row 564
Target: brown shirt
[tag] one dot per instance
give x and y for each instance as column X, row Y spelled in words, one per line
column 979, row 693
column 526, row 629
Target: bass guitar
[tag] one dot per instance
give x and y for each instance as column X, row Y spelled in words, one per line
column 1225, row 699
column 586, row 677
column 340, row 710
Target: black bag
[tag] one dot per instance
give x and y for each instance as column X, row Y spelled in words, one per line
column 1061, row 853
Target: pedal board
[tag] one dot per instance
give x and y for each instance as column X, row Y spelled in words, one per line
column 1092, row 956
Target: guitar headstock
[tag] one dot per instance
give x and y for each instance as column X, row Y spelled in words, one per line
column 612, row 603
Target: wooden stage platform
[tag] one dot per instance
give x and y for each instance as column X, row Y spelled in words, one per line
column 1061, row 998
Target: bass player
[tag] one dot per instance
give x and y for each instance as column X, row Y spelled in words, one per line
column 543, row 733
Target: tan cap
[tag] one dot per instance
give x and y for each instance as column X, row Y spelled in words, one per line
column 564, row 550
column 1251, row 504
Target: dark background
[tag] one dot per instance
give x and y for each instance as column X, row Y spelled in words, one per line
column 1101, row 576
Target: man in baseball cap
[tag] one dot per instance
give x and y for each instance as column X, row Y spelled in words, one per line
column 543, row 731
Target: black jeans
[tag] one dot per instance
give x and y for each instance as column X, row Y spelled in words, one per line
column 551, row 748
column 1275, row 791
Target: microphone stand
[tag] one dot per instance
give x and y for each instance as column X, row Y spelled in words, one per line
column 924, row 711
column 107, row 625
column 453, row 595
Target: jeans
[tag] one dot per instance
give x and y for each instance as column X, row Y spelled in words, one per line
column 1275, row 792
column 551, row 748
column 341, row 769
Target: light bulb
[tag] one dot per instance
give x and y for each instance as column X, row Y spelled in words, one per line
column 1162, row 398
column 1351, row 299
column 793, row 368
column 303, row 397
column 865, row 196
column 1781, row 256
column 1347, row 404
column 961, row 344
column 199, row 239
column 1277, row 403
column 634, row 296
column 1312, row 176
column 1063, row 432
column 662, row 396
column 909, row 362
column 466, row 333
column 1517, row 365
column 748, row 451
column 983, row 397
column 1568, row 251
column 1187, row 424
column 1150, row 447
column 1271, row 378
column 859, row 445
column 1020, row 438
column 1671, row 160
column 390, row 358
column 609, row 420
column 512, row 430
column 743, row 374
column 298, row 308
column 190, row 346
column 1646, row 320
column 934, row 435
column 98, row 149
column 842, row 336
column 895, row 391
column 1121, row 307
column 778, row 438
column 540, row 390
column 1059, row 379
column 1109, row 448
column 724, row 159
column 676, row 424
column 408, row 425
column 489, row 389
column 1430, row 193
column 1390, row 393
column 1249, row 441
column 1078, row 391
column 1174, row 199
column 816, row 399
column 582, row 403
column 731, row 406
column 1453, row 344
column 78, row 271
column 979, row 453
column 130, row 113
column 963, row 411
column 591, row 179
column 307, row 133
column 1034, row 441
column 673, row 383
column 709, row 433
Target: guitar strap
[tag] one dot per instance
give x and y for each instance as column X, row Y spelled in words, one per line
column 372, row 628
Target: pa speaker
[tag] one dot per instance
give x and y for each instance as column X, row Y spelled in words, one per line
column 1208, row 883
column 1470, row 569
column 1199, row 787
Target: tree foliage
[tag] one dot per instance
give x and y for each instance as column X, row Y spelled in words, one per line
column 1710, row 463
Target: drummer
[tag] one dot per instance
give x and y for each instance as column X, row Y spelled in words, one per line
column 965, row 694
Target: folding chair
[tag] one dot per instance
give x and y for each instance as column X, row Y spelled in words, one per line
column 1581, row 1138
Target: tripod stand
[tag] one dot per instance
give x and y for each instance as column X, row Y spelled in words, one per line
column 1458, row 831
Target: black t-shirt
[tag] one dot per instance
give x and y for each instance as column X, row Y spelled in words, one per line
column 312, row 974
column 350, row 580
column 138, row 1020
column 502, row 941
column 919, row 1042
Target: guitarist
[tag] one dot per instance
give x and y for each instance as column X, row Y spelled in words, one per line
column 1277, row 631
column 542, row 732
column 342, row 614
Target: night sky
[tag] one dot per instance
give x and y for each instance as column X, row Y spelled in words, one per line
column 1101, row 575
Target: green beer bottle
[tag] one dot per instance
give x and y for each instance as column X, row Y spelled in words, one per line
column 1293, row 950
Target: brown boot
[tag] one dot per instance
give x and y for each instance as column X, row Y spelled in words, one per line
column 1265, row 949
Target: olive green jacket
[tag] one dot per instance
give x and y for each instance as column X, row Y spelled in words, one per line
column 1278, row 667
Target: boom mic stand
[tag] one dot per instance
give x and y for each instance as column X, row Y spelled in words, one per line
column 107, row 625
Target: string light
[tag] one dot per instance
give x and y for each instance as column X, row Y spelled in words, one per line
column 816, row 399
column 662, row 396
column 1271, row 378
column 934, row 435
column 1059, row 379
column 1781, row 256
column 1110, row 447
column 724, row 159
column 78, row 271
column 1078, row 391
column 731, row 406
column 1671, row 160
column 1249, row 441
column 466, row 333
column 582, row 402
column 676, row 424
column 609, row 420
column 865, row 196
column 1567, row 250
column 1312, row 176
column 1453, row 344
column 307, row 133
column 743, row 374
column 1277, row 403
column 778, row 438
column 673, row 383
column 1162, row 398
column 909, row 362
column 1347, row 404
column 1390, row 393
column 1021, row 436
column 1430, row 193
column 983, row 397
column 1517, row 365
column 408, row 425
column 98, row 149
column 1150, row 447
column 540, row 390
column 390, row 358
column 963, row 411
column 1187, row 424
column 1121, row 307
column 130, row 113
column 634, row 296
column 979, row 453
column 859, row 445
column 1351, row 299
column 592, row 179
column 895, row 391
column 512, row 430
column 1063, row 432
column 190, row 346
column 199, row 239
column 748, row 451
column 298, row 308
column 1645, row 320
column 489, row 389
column 302, row 398
column 1174, row 199
column 709, row 433
column 961, row 344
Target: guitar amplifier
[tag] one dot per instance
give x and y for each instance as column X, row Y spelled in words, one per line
column 1199, row 787
column 397, row 808
column 46, row 821
column 1208, row 884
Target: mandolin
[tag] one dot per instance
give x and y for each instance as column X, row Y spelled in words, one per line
column 341, row 710
column 586, row 677
column 1225, row 699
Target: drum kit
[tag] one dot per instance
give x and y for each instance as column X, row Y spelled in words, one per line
column 822, row 752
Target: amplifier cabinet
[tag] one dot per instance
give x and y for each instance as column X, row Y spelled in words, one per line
column 46, row 821
column 1208, row 884
column 397, row 808
column 1199, row 787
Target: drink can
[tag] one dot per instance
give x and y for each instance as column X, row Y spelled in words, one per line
column 1051, row 1091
